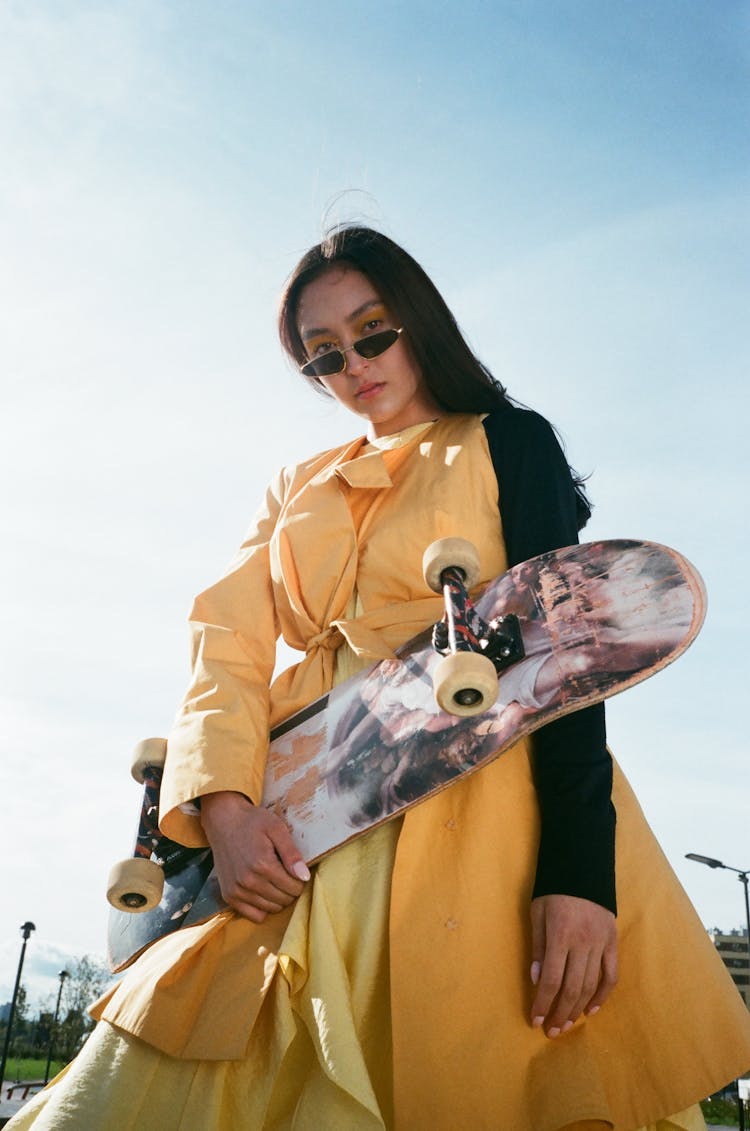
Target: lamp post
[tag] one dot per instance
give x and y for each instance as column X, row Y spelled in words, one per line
column 742, row 876
column 710, row 862
column 26, row 930
column 53, row 1032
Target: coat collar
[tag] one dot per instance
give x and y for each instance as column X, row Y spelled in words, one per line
column 368, row 468
column 365, row 471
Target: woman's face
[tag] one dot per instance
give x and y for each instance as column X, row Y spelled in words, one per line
column 340, row 307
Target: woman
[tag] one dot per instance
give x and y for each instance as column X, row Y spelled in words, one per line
column 457, row 967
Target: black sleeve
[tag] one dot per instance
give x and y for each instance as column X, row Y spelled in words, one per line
column 572, row 766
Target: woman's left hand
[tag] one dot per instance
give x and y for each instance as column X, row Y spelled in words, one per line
column 574, row 960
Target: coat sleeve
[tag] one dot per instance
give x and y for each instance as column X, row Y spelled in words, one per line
column 572, row 766
column 219, row 738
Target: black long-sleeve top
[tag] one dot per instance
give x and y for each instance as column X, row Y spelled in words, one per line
column 572, row 766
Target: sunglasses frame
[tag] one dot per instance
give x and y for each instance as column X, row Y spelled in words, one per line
column 308, row 368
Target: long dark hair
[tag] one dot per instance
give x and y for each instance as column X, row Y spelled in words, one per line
column 455, row 377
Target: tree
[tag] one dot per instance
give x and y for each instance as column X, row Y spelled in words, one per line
column 87, row 981
column 22, row 1007
column 21, row 1025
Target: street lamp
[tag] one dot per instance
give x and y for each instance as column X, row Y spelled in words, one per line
column 26, row 930
column 711, row 862
column 53, row 1031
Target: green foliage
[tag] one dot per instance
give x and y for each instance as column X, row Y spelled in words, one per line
column 33, row 1036
column 717, row 1110
column 88, row 980
column 22, row 1005
column 31, row 1068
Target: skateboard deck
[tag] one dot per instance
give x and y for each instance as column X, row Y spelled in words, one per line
column 594, row 619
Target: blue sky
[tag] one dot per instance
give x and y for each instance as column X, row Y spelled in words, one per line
column 574, row 175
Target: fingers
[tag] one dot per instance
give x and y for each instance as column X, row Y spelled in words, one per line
column 260, row 877
column 266, row 885
column 576, row 984
column 287, row 851
column 549, row 987
column 248, row 911
column 538, row 940
column 607, row 982
column 574, row 960
column 259, row 867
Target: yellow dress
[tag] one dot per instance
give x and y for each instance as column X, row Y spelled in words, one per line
column 395, row 993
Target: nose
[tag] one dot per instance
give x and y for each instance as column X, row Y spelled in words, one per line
column 355, row 363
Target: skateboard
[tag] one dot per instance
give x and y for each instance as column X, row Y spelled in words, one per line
column 552, row 635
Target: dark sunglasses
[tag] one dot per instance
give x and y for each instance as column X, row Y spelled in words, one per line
column 335, row 360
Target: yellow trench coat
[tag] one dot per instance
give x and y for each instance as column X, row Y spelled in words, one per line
column 675, row 1028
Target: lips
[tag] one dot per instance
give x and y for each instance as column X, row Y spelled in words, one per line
column 370, row 389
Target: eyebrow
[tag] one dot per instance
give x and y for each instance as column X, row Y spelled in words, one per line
column 315, row 330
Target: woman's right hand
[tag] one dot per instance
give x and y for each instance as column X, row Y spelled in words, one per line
column 259, row 867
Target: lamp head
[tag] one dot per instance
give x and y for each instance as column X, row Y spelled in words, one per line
column 708, row 860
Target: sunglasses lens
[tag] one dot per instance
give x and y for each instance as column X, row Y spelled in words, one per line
column 334, row 361
column 376, row 344
column 325, row 365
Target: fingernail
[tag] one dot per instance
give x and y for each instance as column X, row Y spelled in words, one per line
column 536, row 969
column 553, row 1033
column 594, row 1009
column 567, row 1027
column 537, row 1022
column 301, row 870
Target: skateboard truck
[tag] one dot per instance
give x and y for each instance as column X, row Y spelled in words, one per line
column 475, row 650
column 136, row 884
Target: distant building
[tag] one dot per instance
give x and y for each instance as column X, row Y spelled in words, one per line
column 733, row 950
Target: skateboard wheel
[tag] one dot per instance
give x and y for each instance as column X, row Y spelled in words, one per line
column 465, row 683
column 150, row 752
column 450, row 552
column 135, row 885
